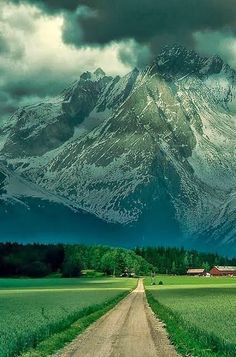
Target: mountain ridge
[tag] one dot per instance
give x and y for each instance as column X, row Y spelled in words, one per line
column 124, row 148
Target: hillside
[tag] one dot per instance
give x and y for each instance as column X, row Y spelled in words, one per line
column 150, row 155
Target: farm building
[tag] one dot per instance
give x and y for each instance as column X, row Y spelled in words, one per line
column 223, row 270
column 196, row 272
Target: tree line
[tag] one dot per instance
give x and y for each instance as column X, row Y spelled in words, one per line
column 38, row 260
column 178, row 260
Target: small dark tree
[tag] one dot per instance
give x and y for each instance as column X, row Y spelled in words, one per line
column 71, row 268
column 73, row 262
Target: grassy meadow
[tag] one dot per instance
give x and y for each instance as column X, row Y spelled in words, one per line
column 52, row 310
column 199, row 313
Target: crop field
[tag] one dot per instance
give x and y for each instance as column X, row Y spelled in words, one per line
column 33, row 309
column 199, row 313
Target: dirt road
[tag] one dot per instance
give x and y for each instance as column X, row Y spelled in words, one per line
column 128, row 330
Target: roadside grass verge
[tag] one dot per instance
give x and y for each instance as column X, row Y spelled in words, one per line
column 60, row 338
column 188, row 339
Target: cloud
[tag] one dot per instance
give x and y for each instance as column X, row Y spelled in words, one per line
column 46, row 44
column 51, row 6
column 134, row 54
column 35, row 62
column 152, row 22
column 148, row 23
column 4, row 48
column 215, row 42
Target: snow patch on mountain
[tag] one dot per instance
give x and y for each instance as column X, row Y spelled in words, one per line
column 121, row 147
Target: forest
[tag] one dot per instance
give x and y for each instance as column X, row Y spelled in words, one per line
column 39, row 260
column 168, row 260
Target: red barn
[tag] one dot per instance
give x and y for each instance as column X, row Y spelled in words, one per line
column 223, row 270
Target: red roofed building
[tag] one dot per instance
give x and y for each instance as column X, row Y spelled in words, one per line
column 223, row 270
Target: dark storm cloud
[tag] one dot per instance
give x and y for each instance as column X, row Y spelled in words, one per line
column 147, row 21
column 34, row 61
column 140, row 27
column 28, row 89
column 153, row 20
column 51, row 6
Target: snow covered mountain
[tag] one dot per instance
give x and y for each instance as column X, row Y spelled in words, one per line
column 151, row 154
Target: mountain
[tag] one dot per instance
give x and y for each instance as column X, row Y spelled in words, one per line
column 149, row 156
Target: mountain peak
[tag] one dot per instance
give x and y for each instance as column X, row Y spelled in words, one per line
column 148, row 153
column 99, row 72
column 179, row 60
column 95, row 76
column 176, row 50
column 86, row 75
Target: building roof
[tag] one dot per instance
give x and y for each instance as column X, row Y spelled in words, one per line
column 225, row 268
column 195, row 271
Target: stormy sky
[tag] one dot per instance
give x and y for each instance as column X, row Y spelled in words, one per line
column 46, row 44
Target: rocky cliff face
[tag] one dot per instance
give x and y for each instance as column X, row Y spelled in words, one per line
column 156, row 145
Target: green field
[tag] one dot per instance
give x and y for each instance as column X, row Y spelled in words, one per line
column 199, row 313
column 32, row 310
